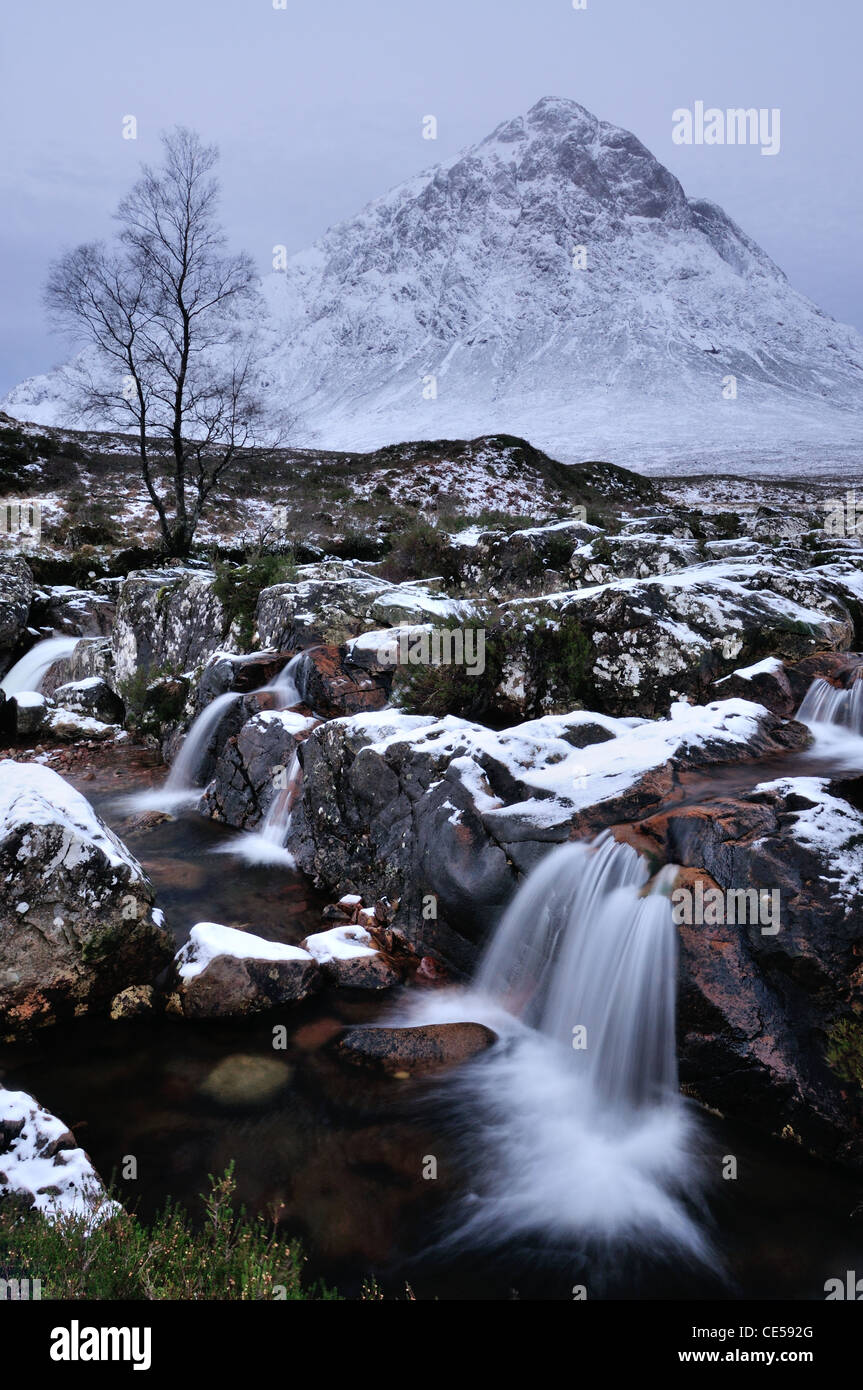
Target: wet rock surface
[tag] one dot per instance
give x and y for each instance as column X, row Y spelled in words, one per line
column 76, row 919
column 415, row 1051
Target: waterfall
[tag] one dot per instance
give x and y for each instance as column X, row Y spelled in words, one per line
column 268, row 845
column 284, row 687
column 30, row 671
column 571, row 1129
column 585, row 958
column 186, row 767
column 276, row 824
column 183, row 783
column 828, row 704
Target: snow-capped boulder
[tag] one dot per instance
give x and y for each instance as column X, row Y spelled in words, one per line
column 603, row 559
column 679, row 633
column 78, row 612
column 225, row 973
column 349, row 957
column 326, row 604
column 77, row 921
column 69, row 726
column 444, row 815
column 42, row 1166
column 92, row 697
column 91, row 657
column 31, row 711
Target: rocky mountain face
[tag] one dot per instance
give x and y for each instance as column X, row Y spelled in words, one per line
column 553, row 281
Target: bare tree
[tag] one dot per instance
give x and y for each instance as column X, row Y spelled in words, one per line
column 165, row 313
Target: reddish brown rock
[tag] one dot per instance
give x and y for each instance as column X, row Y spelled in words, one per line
column 432, row 1047
column 333, row 687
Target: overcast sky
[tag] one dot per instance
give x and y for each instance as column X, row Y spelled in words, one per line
column 318, row 108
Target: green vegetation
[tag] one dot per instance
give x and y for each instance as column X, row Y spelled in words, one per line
column 552, row 657
column 153, row 698
column 88, row 522
column 229, row 1256
column 420, row 550
column 844, row 1051
column 237, row 587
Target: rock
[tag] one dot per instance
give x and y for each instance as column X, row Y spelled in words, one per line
column 225, row 973
column 319, row 607
column 69, row 727
column 523, row 561
column 31, row 712
column 226, row 671
column 839, row 668
column 92, row 657
column 429, row 1048
column 760, row 996
column 92, row 697
column 349, row 958
column 603, row 559
column 407, row 604
column 678, row 634
column 252, row 767
column 76, row 921
column 168, row 621
column 16, row 593
column 444, row 815
column 76, row 612
column 245, row 1079
column 134, row 1002
column 42, row 1165
column 333, row 687
column 766, row 681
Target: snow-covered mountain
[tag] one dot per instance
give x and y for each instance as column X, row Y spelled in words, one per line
column 553, row 281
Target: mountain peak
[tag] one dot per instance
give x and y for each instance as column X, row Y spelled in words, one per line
column 552, row 281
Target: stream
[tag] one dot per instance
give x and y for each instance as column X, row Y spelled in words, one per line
column 337, row 1154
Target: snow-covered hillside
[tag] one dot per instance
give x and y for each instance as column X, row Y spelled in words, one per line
column 554, row 282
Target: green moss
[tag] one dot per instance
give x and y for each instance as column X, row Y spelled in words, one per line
column 237, row 587
column 844, row 1050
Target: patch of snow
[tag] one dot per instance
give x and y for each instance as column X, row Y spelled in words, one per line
column 208, row 940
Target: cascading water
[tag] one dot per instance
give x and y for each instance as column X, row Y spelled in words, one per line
column 285, row 687
column 31, row 670
column 268, row 845
column 276, row 825
column 186, row 767
column 825, row 703
column 182, row 786
column 572, row 1127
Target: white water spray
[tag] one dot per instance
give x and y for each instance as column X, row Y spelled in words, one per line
column 31, row 670
column 182, row 786
column 572, row 1124
column 586, row 960
column 269, row 844
column 829, row 704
